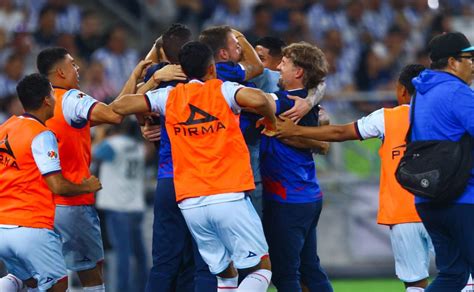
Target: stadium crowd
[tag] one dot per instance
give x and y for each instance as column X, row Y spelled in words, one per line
column 348, row 46
column 366, row 42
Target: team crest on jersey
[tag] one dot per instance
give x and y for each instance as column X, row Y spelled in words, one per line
column 194, row 125
column 52, row 154
column 81, row 95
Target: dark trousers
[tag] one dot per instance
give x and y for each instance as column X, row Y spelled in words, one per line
column 176, row 266
column 124, row 230
column 451, row 230
column 290, row 230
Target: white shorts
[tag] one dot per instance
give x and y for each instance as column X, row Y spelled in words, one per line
column 411, row 246
column 79, row 227
column 33, row 253
column 227, row 232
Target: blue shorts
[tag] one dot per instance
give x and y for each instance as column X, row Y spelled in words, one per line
column 33, row 253
column 227, row 232
column 79, row 227
column 411, row 246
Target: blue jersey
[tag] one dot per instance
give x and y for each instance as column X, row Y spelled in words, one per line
column 229, row 71
column 289, row 173
column 165, row 162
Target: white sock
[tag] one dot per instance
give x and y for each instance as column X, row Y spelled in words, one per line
column 227, row 284
column 415, row 289
column 10, row 283
column 257, row 281
column 100, row 288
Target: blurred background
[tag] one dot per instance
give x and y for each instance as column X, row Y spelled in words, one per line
column 366, row 43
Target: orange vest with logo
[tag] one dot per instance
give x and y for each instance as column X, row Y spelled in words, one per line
column 208, row 150
column 396, row 204
column 75, row 152
column 25, row 199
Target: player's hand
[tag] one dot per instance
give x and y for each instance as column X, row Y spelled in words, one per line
column 269, row 126
column 168, row 73
column 285, row 128
column 299, row 110
column 140, row 69
column 150, row 132
column 92, row 184
column 237, row 33
column 323, row 117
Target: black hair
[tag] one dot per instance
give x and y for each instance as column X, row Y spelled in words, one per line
column 440, row 64
column 261, row 7
column 407, row 74
column 273, row 44
column 47, row 58
column 173, row 39
column 195, row 57
column 32, row 91
column 46, row 9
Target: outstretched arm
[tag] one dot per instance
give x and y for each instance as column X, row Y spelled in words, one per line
column 333, row 133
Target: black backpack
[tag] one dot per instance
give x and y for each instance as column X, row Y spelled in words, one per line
column 438, row 170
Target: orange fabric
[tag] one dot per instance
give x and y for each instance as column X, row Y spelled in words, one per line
column 74, row 152
column 209, row 152
column 25, row 199
column 396, row 204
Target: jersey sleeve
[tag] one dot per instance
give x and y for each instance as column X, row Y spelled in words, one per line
column 157, row 98
column 371, row 126
column 104, row 152
column 45, row 153
column 77, row 108
column 229, row 71
column 229, row 90
column 282, row 103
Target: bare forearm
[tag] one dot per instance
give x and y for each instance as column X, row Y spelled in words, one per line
column 331, row 133
column 61, row 186
column 250, row 60
column 306, row 143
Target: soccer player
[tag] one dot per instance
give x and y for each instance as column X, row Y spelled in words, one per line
column 30, row 171
column 292, row 199
column 212, row 166
column 75, row 112
column 411, row 243
column 173, row 266
column 269, row 50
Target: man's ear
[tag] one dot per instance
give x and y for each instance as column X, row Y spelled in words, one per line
column 211, row 70
column 299, row 73
column 223, row 54
column 60, row 72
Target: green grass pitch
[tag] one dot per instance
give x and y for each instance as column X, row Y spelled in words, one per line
column 364, row 285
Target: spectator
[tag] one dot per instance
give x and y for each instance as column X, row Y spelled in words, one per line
column 13, row 71
column 10, row 18
column 324, row 16
column 96, row 84
column 298, row 29
column 262, row 20
column 45, row 35
column 89, row 37
column 377, row 18
column 122, row 173
column 117, row 58
column 23, row 45
column 233, row 13
column 69, row 16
